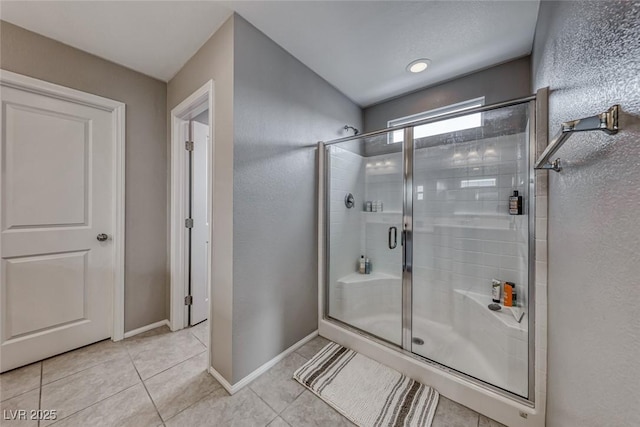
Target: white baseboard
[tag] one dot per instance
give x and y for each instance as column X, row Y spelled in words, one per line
column 146, row 328
column 232, row 389
column 218, row 376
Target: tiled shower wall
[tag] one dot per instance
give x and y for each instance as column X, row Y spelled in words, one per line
column 383, row 182
column 346, row 171
column 463, row 233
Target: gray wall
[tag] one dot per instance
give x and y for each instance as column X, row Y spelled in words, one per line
column 281, row 109
column 588, row 54
column 28, row 53
column 214, row 61
column 500, row 83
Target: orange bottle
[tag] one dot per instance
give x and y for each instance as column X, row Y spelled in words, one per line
column 509, row 290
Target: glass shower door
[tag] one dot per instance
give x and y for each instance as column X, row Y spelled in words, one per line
column 365, row 200
column 464, row 237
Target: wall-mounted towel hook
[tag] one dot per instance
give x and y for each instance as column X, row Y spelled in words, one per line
column 607, row 122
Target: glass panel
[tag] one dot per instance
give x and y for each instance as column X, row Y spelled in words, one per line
column 464, row 237
column 371, row 171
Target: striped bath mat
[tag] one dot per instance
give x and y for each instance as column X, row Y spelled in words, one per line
column 367, row 392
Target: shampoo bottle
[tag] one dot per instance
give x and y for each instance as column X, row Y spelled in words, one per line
column 495, row 290
column 515, row 204
column 367, row 266
column 362, row 267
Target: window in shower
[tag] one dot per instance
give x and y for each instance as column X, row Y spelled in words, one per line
column 450, row 125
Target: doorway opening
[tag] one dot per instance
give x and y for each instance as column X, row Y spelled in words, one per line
column 191, row 209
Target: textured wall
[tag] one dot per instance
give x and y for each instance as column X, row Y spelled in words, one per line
column 500, row 83
column 214, row 60
column 589, row 55
column 281, row 109
column 36, row 56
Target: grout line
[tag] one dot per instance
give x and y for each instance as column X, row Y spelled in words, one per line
column 196, row 337
column 40, row 395
column 101, row 400
column 304, row 357
column 146, row 390
column 151, row 398
column 76, row 372
column 93, row 404
column 170, row 367
column 265, row 402
column 269, row 406
column 19, row 394
column 272, row 420
column 193, row 404
column 291, row 403
column 81, row 370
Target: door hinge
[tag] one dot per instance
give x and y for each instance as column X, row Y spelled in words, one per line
column 188, row 145
column 188, row 300
column 188, row 222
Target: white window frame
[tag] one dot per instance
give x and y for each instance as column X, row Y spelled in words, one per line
column 448, row 125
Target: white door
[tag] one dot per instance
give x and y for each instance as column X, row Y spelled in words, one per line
column 200, row 230
column 56, row 198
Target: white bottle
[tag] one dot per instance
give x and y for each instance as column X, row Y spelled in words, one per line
column 362, row 267
column 495, row 290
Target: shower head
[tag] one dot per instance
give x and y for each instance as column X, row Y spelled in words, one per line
column 355, row 131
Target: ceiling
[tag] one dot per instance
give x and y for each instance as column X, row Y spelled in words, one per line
column 360, row 47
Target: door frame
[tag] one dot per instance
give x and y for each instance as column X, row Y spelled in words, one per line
column 199, row 101
column 118, row 125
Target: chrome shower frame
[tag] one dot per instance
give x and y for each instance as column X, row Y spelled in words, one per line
column 407, row 155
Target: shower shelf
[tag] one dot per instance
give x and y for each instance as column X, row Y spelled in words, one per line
column 383, row 213
column 504, row 316
column 388, row 217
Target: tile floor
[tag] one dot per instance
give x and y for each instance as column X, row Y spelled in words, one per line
column 159, row 378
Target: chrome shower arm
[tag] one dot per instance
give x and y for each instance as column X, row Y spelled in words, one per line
column 607, row 122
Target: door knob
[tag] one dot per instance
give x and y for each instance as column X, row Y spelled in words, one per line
column 102, row 237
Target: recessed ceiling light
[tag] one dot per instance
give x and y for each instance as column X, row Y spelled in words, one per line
column 419, row 65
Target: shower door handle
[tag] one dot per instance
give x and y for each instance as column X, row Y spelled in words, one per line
column 407, row 254
column 394, row 243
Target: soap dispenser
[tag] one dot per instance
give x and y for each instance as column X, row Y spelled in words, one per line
column 515, row 204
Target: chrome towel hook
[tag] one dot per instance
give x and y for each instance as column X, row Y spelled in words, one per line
column 606, row 122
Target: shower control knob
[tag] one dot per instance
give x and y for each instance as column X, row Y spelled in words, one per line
column 102, row 237
column 349, row 201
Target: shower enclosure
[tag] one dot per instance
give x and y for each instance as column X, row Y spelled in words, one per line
column 431, row 213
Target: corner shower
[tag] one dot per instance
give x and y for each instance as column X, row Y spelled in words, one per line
column 439, row 233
